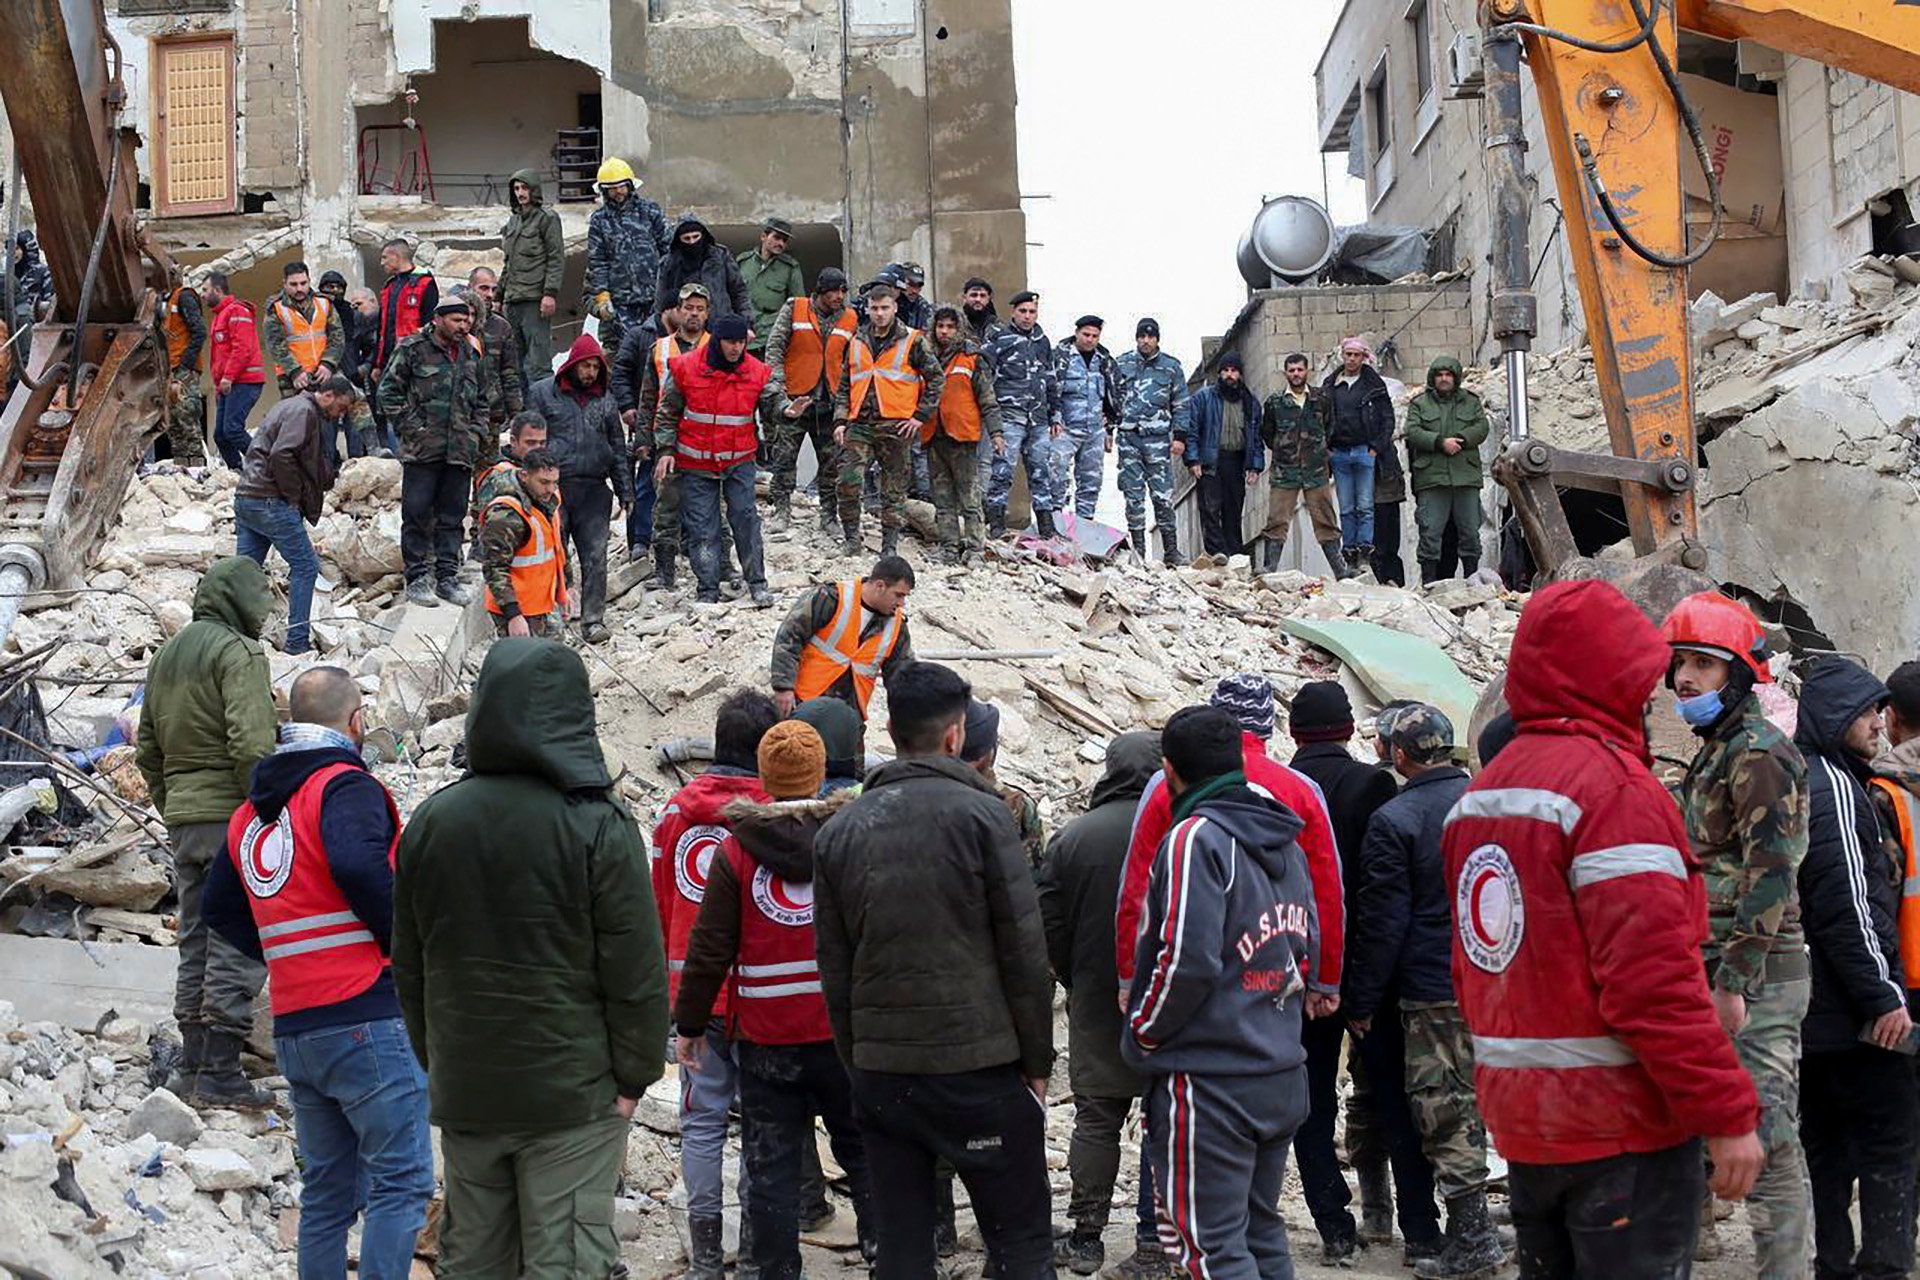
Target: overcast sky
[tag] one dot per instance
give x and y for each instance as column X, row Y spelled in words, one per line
column 1156, row 130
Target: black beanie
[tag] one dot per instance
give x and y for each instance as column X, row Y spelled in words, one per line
column 1500, row 731
column 1320, row 712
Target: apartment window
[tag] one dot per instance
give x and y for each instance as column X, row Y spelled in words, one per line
column 1379, row 113
column 1419, row 19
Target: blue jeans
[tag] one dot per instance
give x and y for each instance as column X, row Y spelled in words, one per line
column 230, row 434
column 259, row 523
column 702, row 494
column 1353, row 483
column 360, row 1116
column 706, row 1096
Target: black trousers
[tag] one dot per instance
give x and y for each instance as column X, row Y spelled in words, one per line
column 586, row 513
column 1628, row 1217
column 1384, row 1051
column 782, row 1088
column 1858, row 1124
column 1093, row 1162
column 992, row 1130
column 1223, row 498
column 434, row 497
column 1388, row 569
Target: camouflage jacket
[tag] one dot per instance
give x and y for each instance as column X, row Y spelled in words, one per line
column 275, row 338
column 1745, row 802
column 1296, row 440
column 435, row 399
column 1152, row 391
column 1901, row 766
column 625, row 243
column 502, row 534
column 1026, row 819
column 1024, row 376
column 506, row 386
column 933, row 378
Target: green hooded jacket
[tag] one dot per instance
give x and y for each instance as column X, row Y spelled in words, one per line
column 526, row 946
column 208, row 714
column 535, row 247
column 1431, row 418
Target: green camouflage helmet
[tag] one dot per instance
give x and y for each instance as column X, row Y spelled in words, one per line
column 1422, row 731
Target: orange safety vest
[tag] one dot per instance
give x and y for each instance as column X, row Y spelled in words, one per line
column 1906, row 816
column 539, row 567
column 899, row 382
column 839, row 649
column 959, row 413
column 666, row 351
column 306, row 339
column 175, row 330
column 808, row 356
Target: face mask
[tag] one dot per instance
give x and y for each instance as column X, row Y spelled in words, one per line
column 1701, row 711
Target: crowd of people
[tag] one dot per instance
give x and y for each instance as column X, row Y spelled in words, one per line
column 709, row 365
column 1642, row 994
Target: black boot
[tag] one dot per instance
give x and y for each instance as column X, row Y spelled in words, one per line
column 1376, row 1203
column 946, row 1237
column 889, row 542
column 222, row 1084
column 1469, row 565
column 1080, row 1250
column 1337, row 560
column 996, row 521
column 1429, row 572
column 707, row 1259
column 663, row 569
column 1473, row 1246
column 1170, row 547
column 1270, row 555
column 1139, row 539
column 744, row 1267
column 1044, row 521
column 850, row 543
column 193, row 1056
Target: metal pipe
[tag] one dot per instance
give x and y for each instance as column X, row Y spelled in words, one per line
column 93, row 269
column 16, row 583
column 1514, row 310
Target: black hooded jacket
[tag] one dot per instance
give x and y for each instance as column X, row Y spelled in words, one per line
column 707, row 263
column 777, row 835
column 1078, row 884
column 356, row 835
column 1849, row 888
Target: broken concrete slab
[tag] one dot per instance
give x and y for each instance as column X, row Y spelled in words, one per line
column 56, row 980
column 1394, row 665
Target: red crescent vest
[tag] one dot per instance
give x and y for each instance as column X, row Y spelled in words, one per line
column 776, row 976
column 716, row 428
column 318, row 951
column 691, row 834
column 411, row 317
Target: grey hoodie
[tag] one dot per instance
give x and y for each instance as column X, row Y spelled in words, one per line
column 1229, row 921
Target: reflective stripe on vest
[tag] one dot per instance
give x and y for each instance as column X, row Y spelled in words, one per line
column 958, row 414
column 665, row 351
column 1906, row 820
column 538, row 568
column 775, row 997
column 716, row 429
column 306, row 339
column 1558, row 1053
column 838, row 648
column 318, row 951
column 807, row 358
column 1602, row 865
column 1518, row 802
column 900, row 382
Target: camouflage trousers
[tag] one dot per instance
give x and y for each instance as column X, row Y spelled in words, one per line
column 867, row 443
column 1029, row 441
column 785, row 436
column 548, row 625
column 187, row 419
column 1440, row 1091
column 1146, row 470
column 954, row 467
column 1079, row 463
column 1780, row 1206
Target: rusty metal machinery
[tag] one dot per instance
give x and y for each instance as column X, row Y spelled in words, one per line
column 1615, row 119
column 93, row 379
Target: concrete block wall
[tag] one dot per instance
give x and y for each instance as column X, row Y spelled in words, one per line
column 268, row 97
column 1423, row 320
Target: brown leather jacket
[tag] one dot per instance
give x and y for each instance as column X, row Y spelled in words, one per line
column 288, row 457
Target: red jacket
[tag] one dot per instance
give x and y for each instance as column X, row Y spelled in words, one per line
column 1579, row 910
column 235, row 341
column 690, row 836
column 1291, row 788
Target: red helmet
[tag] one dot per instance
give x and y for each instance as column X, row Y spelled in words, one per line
column 1726, row 629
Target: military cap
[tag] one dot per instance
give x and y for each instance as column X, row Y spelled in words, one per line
column 694, row 289
column 771, row 223
column 1421, row 730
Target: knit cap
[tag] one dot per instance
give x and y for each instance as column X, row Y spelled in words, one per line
column 1248, row 698
column 793, row 761
column 1321, row 712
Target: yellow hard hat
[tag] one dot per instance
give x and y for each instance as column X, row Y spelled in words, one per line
column 613, row 170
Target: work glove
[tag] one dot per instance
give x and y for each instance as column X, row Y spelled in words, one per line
column 603, row 306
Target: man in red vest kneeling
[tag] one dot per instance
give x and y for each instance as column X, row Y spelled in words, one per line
column 307, row 886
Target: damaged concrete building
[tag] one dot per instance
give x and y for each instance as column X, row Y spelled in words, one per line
column 273, row 129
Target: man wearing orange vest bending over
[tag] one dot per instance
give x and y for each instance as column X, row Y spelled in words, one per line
column 842, row 636
column 808, row 353
column 521, row 559
column 307, row 884
column 305, row 338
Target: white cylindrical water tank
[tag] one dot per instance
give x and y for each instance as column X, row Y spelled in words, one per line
column 1292, row 238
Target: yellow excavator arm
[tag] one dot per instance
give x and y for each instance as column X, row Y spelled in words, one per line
column 1616, row 122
